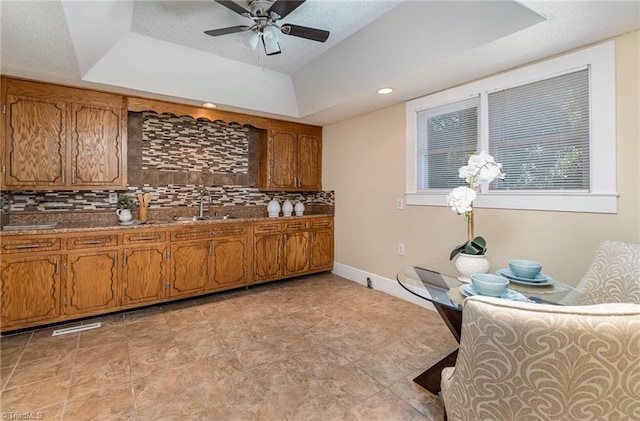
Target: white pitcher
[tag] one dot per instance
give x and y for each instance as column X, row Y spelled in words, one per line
column 124, row 215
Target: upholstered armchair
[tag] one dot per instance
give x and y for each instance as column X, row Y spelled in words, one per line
column 524, row 361
column 614, row 275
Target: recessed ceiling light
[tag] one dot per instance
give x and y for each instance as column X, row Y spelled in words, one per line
column 209, row 105
column 384, row 91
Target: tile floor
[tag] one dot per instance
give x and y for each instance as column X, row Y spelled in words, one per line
column 313, row 348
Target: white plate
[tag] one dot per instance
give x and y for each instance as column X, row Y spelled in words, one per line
column 128, row 222
column 540, row 280
column 468, row 290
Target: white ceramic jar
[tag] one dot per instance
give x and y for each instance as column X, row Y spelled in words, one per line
column 273, row 208
column 299, row 208
column 287, row 208
column 124, row 215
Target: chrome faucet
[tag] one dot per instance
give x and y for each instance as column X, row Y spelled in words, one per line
column 203, row 193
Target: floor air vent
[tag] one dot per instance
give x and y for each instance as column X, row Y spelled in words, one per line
column 75, row 329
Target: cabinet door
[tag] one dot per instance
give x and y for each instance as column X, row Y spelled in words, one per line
column 91, row 281
column 30, row 290
column 309, row 163
column 296, row 253
column 283, row 160
column 96, row 146
column 190, row 268
column 267, row 257
column 143, row 274
column 35, row 142
column 321, row 250
column 230, row 261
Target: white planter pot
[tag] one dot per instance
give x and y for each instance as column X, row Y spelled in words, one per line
column 466, row 264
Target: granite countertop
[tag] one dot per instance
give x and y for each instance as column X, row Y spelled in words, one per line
column 84, row 226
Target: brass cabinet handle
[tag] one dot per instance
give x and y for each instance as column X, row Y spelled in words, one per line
column 143, row 238
column 27, row 246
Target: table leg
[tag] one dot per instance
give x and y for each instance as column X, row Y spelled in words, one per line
column 430, row 379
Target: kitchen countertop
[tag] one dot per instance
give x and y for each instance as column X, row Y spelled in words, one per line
column 85, row 226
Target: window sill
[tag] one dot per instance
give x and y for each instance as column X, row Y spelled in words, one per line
column 561, row 202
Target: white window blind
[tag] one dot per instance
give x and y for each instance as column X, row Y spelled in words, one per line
column 447, row 136
column 540, row 133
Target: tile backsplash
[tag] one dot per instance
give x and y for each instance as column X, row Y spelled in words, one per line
column 174, row 158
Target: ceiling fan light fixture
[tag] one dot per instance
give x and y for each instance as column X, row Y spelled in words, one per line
column 251, row 39
column 271, row 46
column 270, row 33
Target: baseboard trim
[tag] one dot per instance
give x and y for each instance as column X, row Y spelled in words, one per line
column 379, row 283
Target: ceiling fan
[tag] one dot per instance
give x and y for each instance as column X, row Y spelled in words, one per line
column 265, row 15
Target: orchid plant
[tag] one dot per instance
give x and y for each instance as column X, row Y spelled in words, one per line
column 481, row 168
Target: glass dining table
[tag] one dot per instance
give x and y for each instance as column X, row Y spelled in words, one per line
column 438, row 283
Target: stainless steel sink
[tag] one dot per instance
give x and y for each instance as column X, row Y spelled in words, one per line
column 184, row 219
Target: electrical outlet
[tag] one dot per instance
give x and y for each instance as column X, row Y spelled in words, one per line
column 113, row 198
column 401, row 249
column 399, row 204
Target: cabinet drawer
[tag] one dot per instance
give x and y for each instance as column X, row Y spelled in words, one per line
column 24, row 245
column 144, row 237
column 266, row 228
column 296, row 226
column 191, row 234
column 213, row 231
column 92, row 241
column 322, row 223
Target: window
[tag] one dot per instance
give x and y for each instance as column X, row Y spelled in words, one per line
column 551, row 125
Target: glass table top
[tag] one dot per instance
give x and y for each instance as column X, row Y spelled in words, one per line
column 438, row 283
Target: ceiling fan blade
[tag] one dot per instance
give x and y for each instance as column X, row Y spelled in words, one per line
column 305, row 32
column 284, row 7
column 229, row 30
column 232, row 5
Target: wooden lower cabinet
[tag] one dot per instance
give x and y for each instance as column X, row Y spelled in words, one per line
column 190, row 268
column 321, row 245
column 144, row 274
column 296, row 253
column 230, row 263
column 92, row 282
column 267, row 257
column 30, row 289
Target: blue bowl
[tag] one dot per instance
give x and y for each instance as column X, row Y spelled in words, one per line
column 525, row 268
column 487, row 284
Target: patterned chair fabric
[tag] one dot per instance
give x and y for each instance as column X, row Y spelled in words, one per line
column 614, row 275
column 523, row 361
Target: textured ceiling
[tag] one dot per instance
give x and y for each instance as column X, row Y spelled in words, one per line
column 158, row 49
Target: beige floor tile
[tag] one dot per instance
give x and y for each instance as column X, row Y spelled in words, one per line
column 307, row 401
column 10, row 356
column 412, row 393
column 40, row 370
column 349, row 385
column 93, row 376
column 161, row 385
column 35, row 397
column 385, row 405
column 144, row 364
column 14, row 340
column 115, row 403
column 215, row 368
column 61, row 349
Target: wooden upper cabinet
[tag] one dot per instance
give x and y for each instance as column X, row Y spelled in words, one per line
column 96, row 146
column 35, row 147
column 62, row 138
column 291, row 158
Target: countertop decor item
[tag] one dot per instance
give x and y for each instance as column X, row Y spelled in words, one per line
column 273, row 208
column 299, row 208
column 123, row 208
column 287, row 208
column 143, row 200
column 481, row 168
